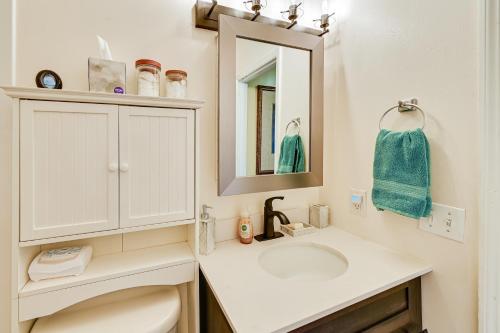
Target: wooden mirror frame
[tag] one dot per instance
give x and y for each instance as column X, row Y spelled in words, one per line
column 228, row 183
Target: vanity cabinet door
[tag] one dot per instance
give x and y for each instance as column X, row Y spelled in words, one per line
column 156, row 165
column 68, row 168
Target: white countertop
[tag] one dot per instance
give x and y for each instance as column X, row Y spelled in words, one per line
column 255, row 301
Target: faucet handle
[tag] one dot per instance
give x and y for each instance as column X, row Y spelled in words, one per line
column 269, row 202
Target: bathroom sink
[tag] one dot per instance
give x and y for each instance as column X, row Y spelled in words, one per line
column 303, row 262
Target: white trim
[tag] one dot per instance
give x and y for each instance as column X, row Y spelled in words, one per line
column 105, row 233
column 241, row 125
column 250, row 70
column 15, row 253
column 13, row 51
column 170, row 264
column 259, row 71
column 101, row 98
column 489, row 83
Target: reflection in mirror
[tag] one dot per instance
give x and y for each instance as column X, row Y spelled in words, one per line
column 266, row 120
column 272, row 109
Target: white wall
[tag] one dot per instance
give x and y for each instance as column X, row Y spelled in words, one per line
column 292, row 97
column 251, row 57
column 64, row 37
column 382, row 51
column 6, row 78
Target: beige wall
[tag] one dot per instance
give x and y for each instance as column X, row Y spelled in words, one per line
column 64, row 37
column 293, row 98
column 6, row 78
column 383, row 51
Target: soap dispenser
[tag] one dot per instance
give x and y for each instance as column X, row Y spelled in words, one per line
column 207, row 231
column 245, row 229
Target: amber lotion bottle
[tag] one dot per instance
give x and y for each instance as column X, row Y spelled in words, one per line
column 245, row 228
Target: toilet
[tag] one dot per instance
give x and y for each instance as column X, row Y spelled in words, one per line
column 137, row 310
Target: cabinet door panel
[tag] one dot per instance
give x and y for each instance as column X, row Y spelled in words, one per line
column 68, row 183
column 157, row 165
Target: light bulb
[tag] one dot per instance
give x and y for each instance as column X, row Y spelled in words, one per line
column 324, row 7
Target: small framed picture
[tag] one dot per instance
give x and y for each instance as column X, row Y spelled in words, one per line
column 48, row 79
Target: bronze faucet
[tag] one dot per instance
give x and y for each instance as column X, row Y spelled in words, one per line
column 269, row 215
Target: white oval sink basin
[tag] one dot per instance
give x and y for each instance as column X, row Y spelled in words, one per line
column 303, row 261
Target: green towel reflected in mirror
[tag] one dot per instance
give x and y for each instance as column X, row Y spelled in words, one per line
column 292, row 157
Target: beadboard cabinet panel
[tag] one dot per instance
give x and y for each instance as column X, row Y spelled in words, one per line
column 68, row 168
column 156, row 165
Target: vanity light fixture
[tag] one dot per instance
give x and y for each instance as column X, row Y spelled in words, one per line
column 324, row 20
column 208, row 12
column 256, row 6
column 211, row 9
column 294, row 12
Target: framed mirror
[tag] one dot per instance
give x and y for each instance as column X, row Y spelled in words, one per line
column 270, row 108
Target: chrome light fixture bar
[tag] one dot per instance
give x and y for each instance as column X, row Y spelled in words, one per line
column 324, row 20
column 294, row 12
column 207, row 17
column 256, row 6
column 324, row 23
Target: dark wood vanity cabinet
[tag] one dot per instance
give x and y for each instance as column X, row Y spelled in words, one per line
column 212, row 318
column 397, row 310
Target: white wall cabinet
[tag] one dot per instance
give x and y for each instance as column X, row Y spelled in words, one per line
column 92, row 168
column 68, row 168
column 103, row 170
column 156, row 165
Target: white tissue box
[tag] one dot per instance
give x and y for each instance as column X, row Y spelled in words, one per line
column 107, row 76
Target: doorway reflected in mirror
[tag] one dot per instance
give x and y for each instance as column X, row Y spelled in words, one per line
column 266, row 129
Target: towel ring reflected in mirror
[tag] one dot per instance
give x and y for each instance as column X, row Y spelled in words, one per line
column 405, row 106
column 295, row 122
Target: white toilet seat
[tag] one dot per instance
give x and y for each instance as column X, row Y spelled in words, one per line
column 156, row 311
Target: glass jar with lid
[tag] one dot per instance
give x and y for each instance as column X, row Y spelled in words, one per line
column 148, row 77
column 176, row 85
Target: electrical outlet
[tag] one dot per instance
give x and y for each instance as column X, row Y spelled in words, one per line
column 358, row 202
column 445, row 221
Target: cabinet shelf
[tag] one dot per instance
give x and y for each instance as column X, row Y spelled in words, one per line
column 98, row 97
column 115, row 265
column 163, row 265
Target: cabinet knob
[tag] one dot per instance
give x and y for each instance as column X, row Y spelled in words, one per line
column 124, row 167
column 113, row 167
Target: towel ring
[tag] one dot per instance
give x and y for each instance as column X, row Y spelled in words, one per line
column 405, row 106
column 295, row 122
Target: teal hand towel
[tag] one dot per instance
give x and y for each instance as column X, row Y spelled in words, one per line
column 292, row 157
column 401, row 173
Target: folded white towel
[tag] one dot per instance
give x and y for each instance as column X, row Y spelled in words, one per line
column 60, row 262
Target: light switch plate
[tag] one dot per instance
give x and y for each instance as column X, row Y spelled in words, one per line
column 445, row 221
